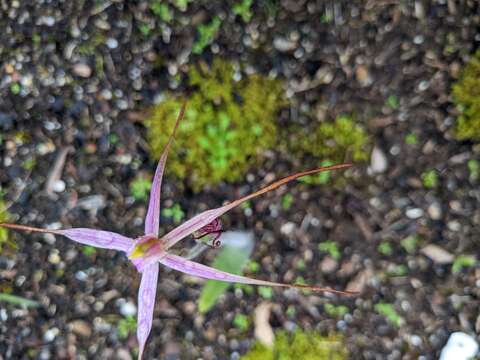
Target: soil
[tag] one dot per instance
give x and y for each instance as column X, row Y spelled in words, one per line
column 74, row 73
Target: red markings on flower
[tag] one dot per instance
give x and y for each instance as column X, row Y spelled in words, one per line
column 210, row 234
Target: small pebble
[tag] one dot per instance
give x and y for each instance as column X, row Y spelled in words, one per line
column 284, row 45
column 414, row 213
column 82, row 70
column 378, row 161
column 112, row 43
column 128, row 309
column 287, row 228
column 50, row 334
column 435, row 211
column 437, row 254
column 59, row 186
column 460, row 346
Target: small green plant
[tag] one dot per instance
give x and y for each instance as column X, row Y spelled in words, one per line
column 411, row 139
column 241, row 322
column 331, row 248
column 89, row 250
column 467, row 100
column 15, row 88
column 181, row 4
column 206, row 34
column 287, row 201
column 390, row 313
column 410, row 243
column 385, row 248
column 430, row 179
column 397, row 270
column 126, row 326
column 145, row 29
column 461, row 262
column 175, row 212
column 291, row 311
column 265, row 292
column 4, row 216
column 319, row 179
column 336, row 311
column 18, row 300
column 300, row 345
column 334, row 140
column 392, row 102
column 140, row 187
column 243, row 8
column 253, row 267
column 233, row 123
column 473, row 169
column 161, row 10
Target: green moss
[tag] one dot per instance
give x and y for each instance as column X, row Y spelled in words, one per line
column 331, row 142
column 228, row 125
column 140, row 187
column 300, row 345
column 241, row 322
column 389, row 312
column 4, row 216
column 243, row 8
column 331, row 248
column 430, row 179
column 466, row 96
column 206, row 34
column 340, row 139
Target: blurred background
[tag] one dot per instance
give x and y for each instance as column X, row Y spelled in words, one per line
column 89, row 94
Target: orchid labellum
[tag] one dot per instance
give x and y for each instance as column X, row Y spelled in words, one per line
column 149, row 250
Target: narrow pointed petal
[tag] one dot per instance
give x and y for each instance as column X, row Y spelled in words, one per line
column 146, row 304
column 193, row 268
column 152, row 220
column 206, row 217
column 97, row 238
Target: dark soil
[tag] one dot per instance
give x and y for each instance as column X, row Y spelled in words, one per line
column 86, row 71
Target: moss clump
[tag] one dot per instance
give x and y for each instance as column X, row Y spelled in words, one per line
column 466, row 96
column 300, row 345
column 339, row 140
column 228, row 125
column 4, row 216
column 331, row 142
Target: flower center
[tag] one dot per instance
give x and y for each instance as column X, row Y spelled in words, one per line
column 146, row 246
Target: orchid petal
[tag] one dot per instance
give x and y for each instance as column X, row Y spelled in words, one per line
column 152, row 220
column 206, row 217
column 97, row 238
column 193, row 268
column 146, row 304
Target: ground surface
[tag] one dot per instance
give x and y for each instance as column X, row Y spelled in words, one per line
column 85, row 71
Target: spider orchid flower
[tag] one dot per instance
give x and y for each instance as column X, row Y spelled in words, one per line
column 149, row 250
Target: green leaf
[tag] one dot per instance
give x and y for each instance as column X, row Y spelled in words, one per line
column 265, row 292
column 463, row 261
column 18, row 300
column 241, row 322
column 390, row 313
column 232, row 258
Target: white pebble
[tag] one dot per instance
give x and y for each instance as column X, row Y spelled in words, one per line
column 460, row 346
column 378, row 161
column 50, row 334
column 287, row 228
column 112, row 43
column 58, row 186
column 82, row 70
column 414, row 213
column 128, row 309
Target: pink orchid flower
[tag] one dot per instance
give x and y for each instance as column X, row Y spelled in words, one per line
column 149, row 250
